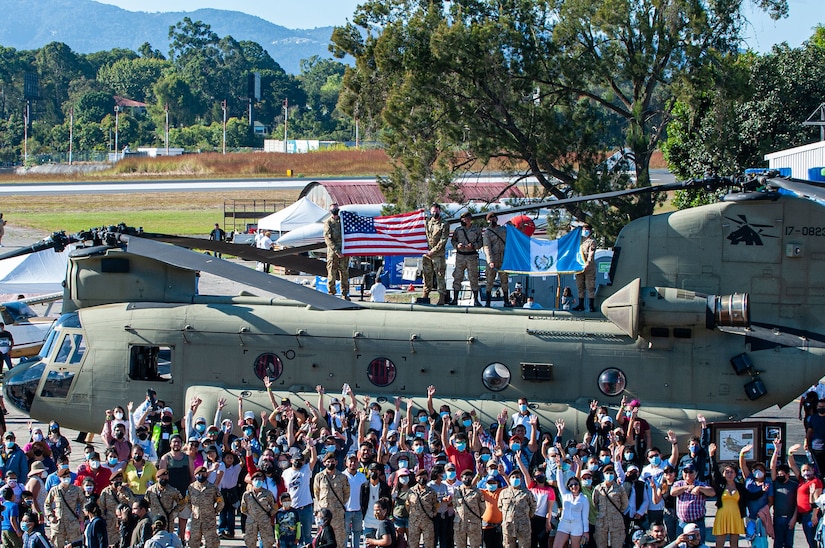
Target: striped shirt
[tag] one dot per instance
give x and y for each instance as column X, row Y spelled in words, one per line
column 690, row 507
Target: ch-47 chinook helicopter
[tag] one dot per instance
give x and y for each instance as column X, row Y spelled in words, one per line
column 711, row 310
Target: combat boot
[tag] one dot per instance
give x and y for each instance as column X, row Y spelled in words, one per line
column 592, row 305
column 487, row 300
column 454, row 300
column 507, row 301
column 441, row 299
column 579, row 307
column 476, row 301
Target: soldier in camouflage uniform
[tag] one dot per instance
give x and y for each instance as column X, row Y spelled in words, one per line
column 435, row 260
column 469, row 507
column 495, row 238
column 336, row 262
column 331, row 491
column 517, row 506
column 466, row 241
column 259, row 506
column 111, row 497
column 206, row 502
column 587, row 278
column 610, row 501
column 422, row 503
column 62, row 507
column 165, row 500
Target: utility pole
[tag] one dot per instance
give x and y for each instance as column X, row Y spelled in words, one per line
column 26, row 133
column 223, row 106
column 117, row 127
column 286, row 116
column 166, row 128
column 71, row 132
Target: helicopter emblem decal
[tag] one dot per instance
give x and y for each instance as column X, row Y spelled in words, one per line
column 748, row 233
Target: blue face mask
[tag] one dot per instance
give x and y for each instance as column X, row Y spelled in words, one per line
column 485, row 457
column 422, row 419
column 585, row 233
column 445, row 414
column 200, row 427
column 587, row 482
column 515, row 446
column 609, row 477
column 492, row 487
column 656, row 460
column 516, row 482
column 449, row 474
column 461, row 446
column 604, row 460
column 418, row 449
column 248, row 432
column 467, row 424
column 522, row 407
column 593, row 467
column 565, row 467
column 403, row 464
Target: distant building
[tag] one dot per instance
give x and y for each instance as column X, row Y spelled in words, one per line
column 805, row 162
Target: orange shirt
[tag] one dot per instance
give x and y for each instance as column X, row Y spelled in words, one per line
column 492, row 515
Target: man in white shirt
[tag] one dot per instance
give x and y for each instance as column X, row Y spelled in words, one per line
column 264, row 242
column 298, row 481
column 353, row 519
column 378, row 292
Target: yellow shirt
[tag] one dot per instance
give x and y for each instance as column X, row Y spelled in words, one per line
column 139, row 482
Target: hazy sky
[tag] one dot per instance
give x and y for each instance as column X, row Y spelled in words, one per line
column 804, row 15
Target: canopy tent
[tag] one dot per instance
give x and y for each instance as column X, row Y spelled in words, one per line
column 313, row 232
column 299, row 214
column 35, row 273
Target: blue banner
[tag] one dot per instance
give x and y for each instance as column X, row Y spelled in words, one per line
column 525, row 255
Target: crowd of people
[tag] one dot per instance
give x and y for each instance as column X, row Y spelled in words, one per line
column 347, row 471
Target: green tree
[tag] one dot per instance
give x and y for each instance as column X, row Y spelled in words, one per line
column 58, row 66
column 133, row 78
column 100, row 59
column 94, row 107
column 147, row 52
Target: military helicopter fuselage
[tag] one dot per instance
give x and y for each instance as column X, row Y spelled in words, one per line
column 712, row 310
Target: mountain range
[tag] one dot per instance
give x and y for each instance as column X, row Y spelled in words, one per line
column 87, row 26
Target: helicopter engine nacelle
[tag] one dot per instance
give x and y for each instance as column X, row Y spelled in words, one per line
column 634, row 308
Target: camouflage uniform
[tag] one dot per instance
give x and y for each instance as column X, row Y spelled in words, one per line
column 206, row 503
column 325, row 489
column 517, row 507
column 495, row 238
column 438, row 231
column 469, row 507
column 110, row 498
column 467, row 257
column 259, row 507
column 63, row 508
column 167, row 502
column 421, row 504
column 610, row 528
column 336, row 266
column 587, row 278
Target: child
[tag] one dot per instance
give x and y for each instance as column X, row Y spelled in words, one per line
column 287, row 524
column 567, row 299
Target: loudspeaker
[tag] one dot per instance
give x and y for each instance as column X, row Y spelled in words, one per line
column 741, row 364
column 755, row 389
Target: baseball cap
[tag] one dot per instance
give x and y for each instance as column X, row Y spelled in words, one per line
column 647, row 539
column 465, row 214
column 167, row 411
column 637, row 535
column 632, row 467
column 249, row 415
column 689, row 468
column 200, row 469
column 690, row 528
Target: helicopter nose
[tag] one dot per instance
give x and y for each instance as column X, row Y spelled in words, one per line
column 21, row 383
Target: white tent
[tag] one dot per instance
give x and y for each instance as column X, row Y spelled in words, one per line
column 35, row 273
column 313, row 233
column 301, row 213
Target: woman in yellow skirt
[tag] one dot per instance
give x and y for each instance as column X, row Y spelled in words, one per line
column 731, row 496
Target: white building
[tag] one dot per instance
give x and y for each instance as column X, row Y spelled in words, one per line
column 800, row 160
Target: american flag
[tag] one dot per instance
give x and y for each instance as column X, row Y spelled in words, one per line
column 402, row 234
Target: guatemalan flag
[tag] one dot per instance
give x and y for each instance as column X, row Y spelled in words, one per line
column 526, row 255
column 402, row 234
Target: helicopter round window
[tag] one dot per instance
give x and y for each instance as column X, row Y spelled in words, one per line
column 381, row 372
column 268, row 365
column 612, row 382
column 496, row 377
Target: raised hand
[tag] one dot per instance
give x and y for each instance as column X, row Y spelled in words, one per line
column 319, row 389
column 430, row 391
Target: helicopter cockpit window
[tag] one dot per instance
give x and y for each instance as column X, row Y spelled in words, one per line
column 57, row 384
column 612, row 382
column 71, row 349
column 150, row 363
column 381, row 372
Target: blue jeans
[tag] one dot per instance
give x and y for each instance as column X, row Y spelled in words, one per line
column 700, row 523
column 784, row 534
column 354, row 523
column 306, row 519
column 808, row 528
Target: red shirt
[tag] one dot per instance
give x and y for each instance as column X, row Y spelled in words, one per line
column 101, row 477
column 463, row 460
column 803, row 495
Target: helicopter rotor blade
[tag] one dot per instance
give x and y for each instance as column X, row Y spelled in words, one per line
column 57, row 241
column 803, row 189
column 231, row 271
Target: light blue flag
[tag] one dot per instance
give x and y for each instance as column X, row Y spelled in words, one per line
column 526, row 255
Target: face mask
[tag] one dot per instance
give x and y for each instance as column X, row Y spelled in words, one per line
column 516, row 482
column 485, row 457
column 28, row 502
column 285, row 504
column 200, row 427
column 94, row 464
column 248, row 432
column 422, row 480
column 758, row 474
column 283, row 464
column 227, row 428
column 142, row 436
column 330, row 449
column 12, row 483
column 656, row 461
column 461, row 446
column 163, row 482
column 257, row 484
column 201, row 478
column 449, row 474
column 693, row 449
column 119, row 416
column 436, row 214
column 37, row 437
column 572, row 451
column 62, row 466
column 297, row 464
column 330, row 465
column 609, row 477
column 467, row 482
column 87, row 456
column 117, row 484
column 335, row 211
column 585, row 233
column 112, row 461
column 781, row 479
column 444, row 414
column 9, row 444
column 593, row 467
column 319, row 522
column 515, row 447
column 422, row 419
column 166, row 419
column 66, row 480
column 418, row 449
column 88, row 489
column 404, row 480
column 402, row 463
column 467, row 423
column 587, row 482
column 336, row 408
column 492, row 487
column 628, row 456
column 820, row 410
column 604, row 460
column 120, row 435
column 632, row 477
column 565, row 467
column 38, row 452
column 522, row 407
column 807, row 475
column 26, row 526
column 137, row 458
